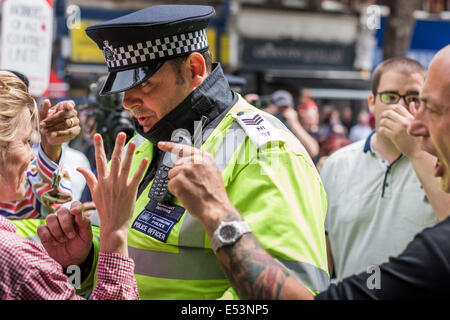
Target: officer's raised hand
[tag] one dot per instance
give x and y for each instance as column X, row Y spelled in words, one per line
column 67, row 236
column 196, row 181
column 113, row 192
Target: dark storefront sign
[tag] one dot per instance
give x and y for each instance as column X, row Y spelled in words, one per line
column 261, row 54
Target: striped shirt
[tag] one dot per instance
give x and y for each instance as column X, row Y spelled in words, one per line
column 47, row 187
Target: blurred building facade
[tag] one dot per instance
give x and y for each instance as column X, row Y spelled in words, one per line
column 328, row 46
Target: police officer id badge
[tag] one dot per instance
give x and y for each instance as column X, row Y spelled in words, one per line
column 158, row 219
column 259, row 130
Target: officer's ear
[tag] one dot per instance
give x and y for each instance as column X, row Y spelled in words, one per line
column 197, row 67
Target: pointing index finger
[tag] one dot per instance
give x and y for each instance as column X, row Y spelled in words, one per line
column 181, row 150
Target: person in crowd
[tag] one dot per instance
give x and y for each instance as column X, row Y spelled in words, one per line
column 308, row 113
column 380, row 190
column 330, row 123
column 176, row 86
column 284, row 102
column 264, row 102
column 347, row 118
column 331, row 144
column 70, row 158
column 251, row 97
column 28, row 272
column 362, row 129
column 46, row 184
column 306, row 100
column 421, row 271
column 309, row 118
column 236, row 83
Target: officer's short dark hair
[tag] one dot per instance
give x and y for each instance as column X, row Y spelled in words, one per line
column 398, row 64
column 177, row 63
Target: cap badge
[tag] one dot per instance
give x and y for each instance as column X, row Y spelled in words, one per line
column 108, row 51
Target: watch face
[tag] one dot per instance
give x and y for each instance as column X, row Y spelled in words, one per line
column 227, row 232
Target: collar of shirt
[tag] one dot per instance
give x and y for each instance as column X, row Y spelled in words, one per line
column 367, row 146
column 6, row 225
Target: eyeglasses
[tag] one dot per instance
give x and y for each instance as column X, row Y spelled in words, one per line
column 393, row 98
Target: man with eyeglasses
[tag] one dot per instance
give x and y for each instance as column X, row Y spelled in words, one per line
column 381, row 191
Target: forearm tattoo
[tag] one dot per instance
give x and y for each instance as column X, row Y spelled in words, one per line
column 253, row 273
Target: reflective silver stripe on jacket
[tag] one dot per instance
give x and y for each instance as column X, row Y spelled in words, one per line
column 187, row 264
column 184, row 265
column 311, row 276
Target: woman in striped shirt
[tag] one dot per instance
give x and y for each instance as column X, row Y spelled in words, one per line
column 27, row 269
column 32, row 186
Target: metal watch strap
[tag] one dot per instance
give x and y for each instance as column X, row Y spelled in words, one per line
column 242, row 228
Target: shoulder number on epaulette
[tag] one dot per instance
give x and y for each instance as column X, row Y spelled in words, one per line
column 259, row 130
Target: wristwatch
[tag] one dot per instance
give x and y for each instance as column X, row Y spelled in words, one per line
column 228, row 232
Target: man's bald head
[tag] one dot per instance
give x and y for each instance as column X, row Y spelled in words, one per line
column 442, row 59
column 443, row 51
column 431, row 121
column 437, row 82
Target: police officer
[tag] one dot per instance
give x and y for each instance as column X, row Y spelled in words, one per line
column 159, row 57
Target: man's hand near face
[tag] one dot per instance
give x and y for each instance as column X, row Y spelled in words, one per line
column 394, row 124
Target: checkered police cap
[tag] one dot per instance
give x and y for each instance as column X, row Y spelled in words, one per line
column 136, row 45
column 141, row 52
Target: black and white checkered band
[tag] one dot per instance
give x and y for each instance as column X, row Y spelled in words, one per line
column 138, row 53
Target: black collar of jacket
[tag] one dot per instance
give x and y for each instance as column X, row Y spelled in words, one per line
column 204, row 104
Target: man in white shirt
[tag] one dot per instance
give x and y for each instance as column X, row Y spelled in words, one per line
column 381, row 191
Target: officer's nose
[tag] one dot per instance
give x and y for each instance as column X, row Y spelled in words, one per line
column 130, row 98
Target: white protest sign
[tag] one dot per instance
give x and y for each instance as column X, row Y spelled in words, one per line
column 27, row 40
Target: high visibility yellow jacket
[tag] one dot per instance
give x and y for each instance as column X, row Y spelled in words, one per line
column 275, row 187
column 269, row 178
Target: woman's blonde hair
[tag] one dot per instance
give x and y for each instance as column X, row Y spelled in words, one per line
column 14, row 97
